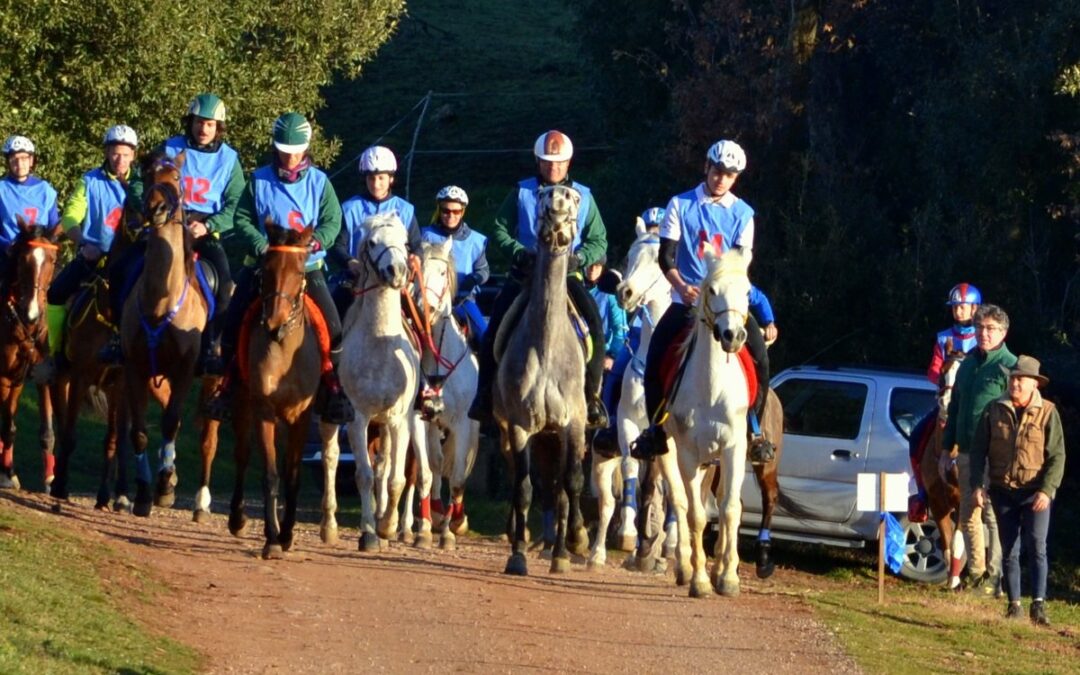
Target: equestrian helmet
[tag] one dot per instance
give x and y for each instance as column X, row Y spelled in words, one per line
column 378, row 159
column 728, row 155
column 653, row 216
column 964, row 294
column 17, row 143
column 553, row 146
column 123, row 134
column 292, row 133
column 452, row 193
column 207, row 106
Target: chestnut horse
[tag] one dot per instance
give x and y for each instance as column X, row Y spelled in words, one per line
column 284, row 351
column 161, row 329
column 24, row 341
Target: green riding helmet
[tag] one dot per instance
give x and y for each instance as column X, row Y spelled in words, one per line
column 292, row 133
column 207, row 106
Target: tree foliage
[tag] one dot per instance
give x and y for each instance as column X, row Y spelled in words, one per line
column 69, row 70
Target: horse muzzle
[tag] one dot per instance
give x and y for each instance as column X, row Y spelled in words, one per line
column 393, row 275
column 731, row 338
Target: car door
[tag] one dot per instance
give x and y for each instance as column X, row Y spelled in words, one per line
column 826, row 437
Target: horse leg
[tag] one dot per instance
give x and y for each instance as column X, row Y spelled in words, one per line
column 397, row 434
column 603, row 473
column 109, row 467
column 242, row 420
column 769, row 484
column 298, row 432
column 405, row 532
column 328, row 527
column 46, row 436
column 121, row 442
column 649, row 555
column 418, row 434
column 10, row 395
column 365, row 482
column 208, row 442
column 693, row 478
column 466, row 441
column 572, row 455
column 670, row 466
column 165, row 490
column 437, row 460
column 516, row 440
column 726, row 566
column 69, row 392
column 272, row 549
column 138, row 399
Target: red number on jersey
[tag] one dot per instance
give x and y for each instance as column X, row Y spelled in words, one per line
column 195, row 190
column 31, row 215
column 296, row 220
column 113, row 219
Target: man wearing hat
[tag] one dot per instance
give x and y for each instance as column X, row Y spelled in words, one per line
column 1020, row 437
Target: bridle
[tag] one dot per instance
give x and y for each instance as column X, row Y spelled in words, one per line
column 296, row 302
column 26, row 332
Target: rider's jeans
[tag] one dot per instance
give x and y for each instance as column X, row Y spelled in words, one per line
column 972, row 519
column 1016, row 519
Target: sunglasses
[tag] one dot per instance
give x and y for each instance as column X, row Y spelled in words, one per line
column 451, row 212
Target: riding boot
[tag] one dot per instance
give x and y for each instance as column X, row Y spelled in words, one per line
column 331, row 403
column 210, row 359
column 112, row 354
column 482, row 408
column 761, row 450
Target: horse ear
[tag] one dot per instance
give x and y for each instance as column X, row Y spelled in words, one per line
column 639, row 227
column 53, row 234
column 306, row 234
column 179, row 159
column 23, row 226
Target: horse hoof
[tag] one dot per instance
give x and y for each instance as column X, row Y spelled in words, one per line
column 165, row 489
column 100, row 505
column 142, row 509
column 628, row 543
column 668, row 552
column 459, row 526
column 683, row 574
column 597, row 563
column 122, row 504
column 764, row 571
column 517, row 565
column 423, row 541
column 448, row 542
column 328, row 534
column 369, row 543
column 728, row 589
column 286, row 541
column 237, row 523
column 9, row 482
column 407, row 537
column 546, row 553
column 273, row 552
column 200, row 516
column 700, row 589
column 560, row 565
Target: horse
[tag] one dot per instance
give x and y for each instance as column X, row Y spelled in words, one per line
column 539, row 401
column 380, row 368
column 161, row 329
column 24, row 341
column 452, row 438
column 284, row 351
column 706, row 424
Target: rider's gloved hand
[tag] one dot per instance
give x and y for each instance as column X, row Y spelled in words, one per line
column 573, row 263
column 314, row 246
column 90, row 252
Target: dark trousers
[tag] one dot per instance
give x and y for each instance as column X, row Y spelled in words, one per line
column 677, row 317
column 586, row 306
column 122, row 270
column 1016, row 520
column 210, row 251
column 71, row 278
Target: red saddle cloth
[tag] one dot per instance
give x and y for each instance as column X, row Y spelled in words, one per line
column 673, row 358
column 315, row 317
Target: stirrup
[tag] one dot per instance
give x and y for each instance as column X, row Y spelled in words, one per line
column 112, row 354
column 596, row 415
column 332, row 405
column 762, row 451
column 650, row 444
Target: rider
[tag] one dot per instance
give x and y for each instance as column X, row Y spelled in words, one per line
column 22, row 194
column 709, row 214
column 964, row 299
column 470, row 255
column 378, row 166
column 91, row 217
column 515, row 234
column 291, row 192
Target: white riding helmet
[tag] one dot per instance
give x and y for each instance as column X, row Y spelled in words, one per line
column 378, row 159
column 727, row 154
column 15, row 144
column 452, row 193
column 553, row 146
column 122, row 133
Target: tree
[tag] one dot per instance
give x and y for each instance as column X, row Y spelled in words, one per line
column 69, row 70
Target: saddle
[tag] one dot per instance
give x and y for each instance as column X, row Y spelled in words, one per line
column 205, row 274
column 678, row 354
column 315, row 319
column 513, row 315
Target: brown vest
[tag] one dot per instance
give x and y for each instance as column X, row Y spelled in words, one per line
column 1017, row 449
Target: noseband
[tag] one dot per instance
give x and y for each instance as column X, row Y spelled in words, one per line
column 296, row 303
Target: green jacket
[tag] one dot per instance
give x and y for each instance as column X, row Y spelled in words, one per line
column 77, row 203
column 982, row 377
column 593, row 235
column 1025, row 452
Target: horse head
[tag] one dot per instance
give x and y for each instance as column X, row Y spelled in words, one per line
column 162, row 200
column 556, row 215
column 34, row 253
column 953, row 358
column 384, row 248
column 283, row 280
column 725, row 297
column 439, row 276
column 644, row 278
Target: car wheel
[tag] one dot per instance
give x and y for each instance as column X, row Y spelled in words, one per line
column 924, row 560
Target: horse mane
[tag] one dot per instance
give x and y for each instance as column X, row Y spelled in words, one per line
column 377, row 221
column 732, row 261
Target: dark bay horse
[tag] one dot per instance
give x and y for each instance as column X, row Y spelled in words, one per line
column 24, row 341
column 283, row 353
column 161, row 329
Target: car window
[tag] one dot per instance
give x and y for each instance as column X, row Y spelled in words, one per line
column 908, row 406
column 822, row 407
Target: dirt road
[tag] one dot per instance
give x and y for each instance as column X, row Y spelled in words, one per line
column 332, row 609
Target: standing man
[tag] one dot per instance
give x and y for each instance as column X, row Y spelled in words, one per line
column 515, row 234
column 1020, row 435
column 981, row 378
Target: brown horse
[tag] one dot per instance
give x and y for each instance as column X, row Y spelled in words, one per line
column 24, row 341
column 283, row 352
column 161, row 329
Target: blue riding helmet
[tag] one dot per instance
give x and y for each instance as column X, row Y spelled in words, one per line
column 964, row 293
column 653, row 216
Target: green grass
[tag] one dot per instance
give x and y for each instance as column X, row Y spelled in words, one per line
column 65, row 606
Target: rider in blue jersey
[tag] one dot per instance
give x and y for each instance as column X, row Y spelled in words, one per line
column 964, row 299
column 709, row 215
column 470, row 256
column 289, row 192
column 22, row 194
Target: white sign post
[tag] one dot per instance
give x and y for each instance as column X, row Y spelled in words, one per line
column 892, row 496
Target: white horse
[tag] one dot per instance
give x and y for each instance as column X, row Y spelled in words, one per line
column 452, row 438
column 644, row 287
column 706, row 424
column 379, row 373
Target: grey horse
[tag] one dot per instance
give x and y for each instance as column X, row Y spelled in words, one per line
column 539, row 401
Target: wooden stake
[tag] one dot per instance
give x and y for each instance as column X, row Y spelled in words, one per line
column 881, row 540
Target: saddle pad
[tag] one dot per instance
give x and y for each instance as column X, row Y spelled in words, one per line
column 513, row 315
column 208, row 283
column 679, row 350
column 315, row 319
